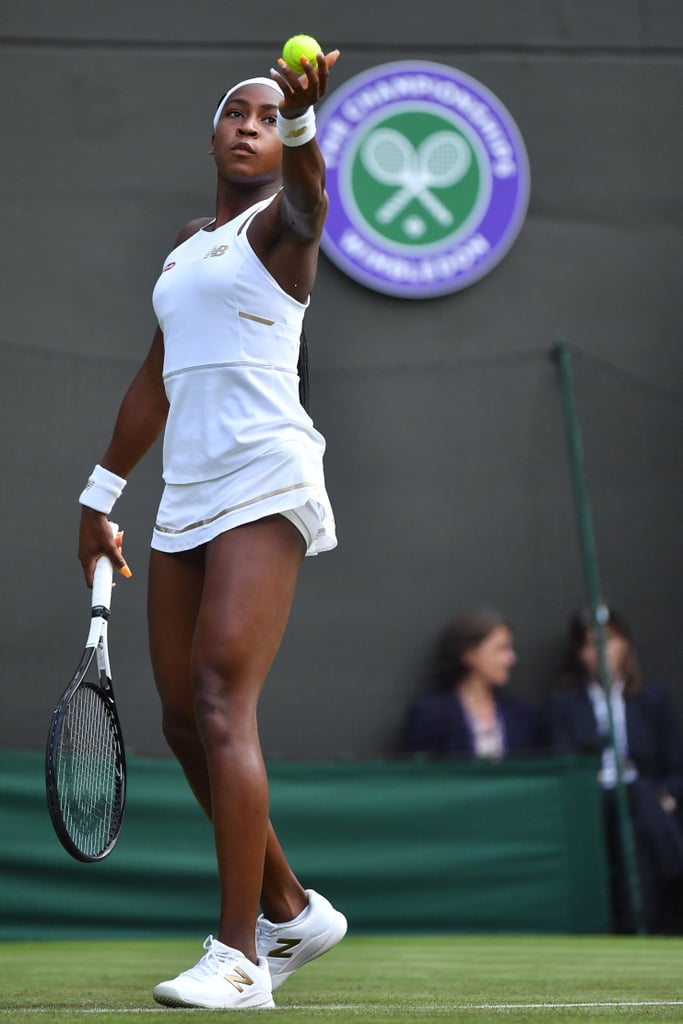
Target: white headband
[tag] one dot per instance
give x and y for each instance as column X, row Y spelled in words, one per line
column 248, row 81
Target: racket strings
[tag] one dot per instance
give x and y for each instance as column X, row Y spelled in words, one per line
column 88, row 771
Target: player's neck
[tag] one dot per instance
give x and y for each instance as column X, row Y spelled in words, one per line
column 231, row 200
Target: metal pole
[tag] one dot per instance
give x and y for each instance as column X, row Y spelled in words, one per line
column 600, row 616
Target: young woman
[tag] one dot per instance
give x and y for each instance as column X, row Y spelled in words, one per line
column 244, row 501
column 650, row 752
column 470, row 713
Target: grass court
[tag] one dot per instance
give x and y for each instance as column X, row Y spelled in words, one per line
column 477, row 979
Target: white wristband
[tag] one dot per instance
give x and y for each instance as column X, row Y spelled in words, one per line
column 102, row 490
column 296, row 131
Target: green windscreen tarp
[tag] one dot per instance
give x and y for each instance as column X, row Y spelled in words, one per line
column 399, row 846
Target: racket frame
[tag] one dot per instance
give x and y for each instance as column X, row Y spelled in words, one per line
column 96, row 648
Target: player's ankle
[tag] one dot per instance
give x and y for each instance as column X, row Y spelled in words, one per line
column 285, row 908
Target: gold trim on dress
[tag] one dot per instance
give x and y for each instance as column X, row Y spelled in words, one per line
column 233, row 508
column 258, row 319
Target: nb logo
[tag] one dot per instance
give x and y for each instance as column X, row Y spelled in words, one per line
column 296, row 133
column 283, row 950
column 217, row 250
column 240, row 979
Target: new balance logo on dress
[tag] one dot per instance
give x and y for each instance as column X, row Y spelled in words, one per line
column 217, row 250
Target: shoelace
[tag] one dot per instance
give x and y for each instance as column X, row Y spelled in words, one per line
column 212, row 961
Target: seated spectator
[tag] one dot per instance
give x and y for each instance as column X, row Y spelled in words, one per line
column 470, row 713
column 650, row 752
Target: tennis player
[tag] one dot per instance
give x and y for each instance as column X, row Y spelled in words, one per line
column 244, row 501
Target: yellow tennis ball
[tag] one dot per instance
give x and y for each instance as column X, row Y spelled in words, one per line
column 298, row 47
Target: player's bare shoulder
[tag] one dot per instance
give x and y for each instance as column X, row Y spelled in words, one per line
column 191, row 228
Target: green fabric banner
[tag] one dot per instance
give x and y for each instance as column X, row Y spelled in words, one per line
column 399, row 846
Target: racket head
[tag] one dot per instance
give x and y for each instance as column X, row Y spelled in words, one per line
column 85, row 767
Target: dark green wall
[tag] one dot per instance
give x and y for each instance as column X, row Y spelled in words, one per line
column 409, row 847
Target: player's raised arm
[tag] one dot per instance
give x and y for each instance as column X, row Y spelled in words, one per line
column 304, row 203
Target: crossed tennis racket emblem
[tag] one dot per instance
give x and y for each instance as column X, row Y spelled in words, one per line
column 440, row 161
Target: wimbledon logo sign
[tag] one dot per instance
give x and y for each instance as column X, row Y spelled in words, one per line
column 427, row 175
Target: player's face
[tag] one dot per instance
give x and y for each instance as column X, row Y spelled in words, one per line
column 246, row 143
column 493, row 658
column 616, row 648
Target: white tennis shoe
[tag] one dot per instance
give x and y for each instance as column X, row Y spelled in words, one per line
column 224, row 979
column 287, row 947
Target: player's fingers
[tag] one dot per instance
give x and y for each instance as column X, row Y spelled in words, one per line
column 299, row 90
column 117, row 559
column 287, row 79
column 119, row 562
column 331, row 58
column 325, row 62
column 311, row 85
column 278, row 77
column 319, row 73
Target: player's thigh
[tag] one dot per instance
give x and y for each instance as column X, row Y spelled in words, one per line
column 249, row 584
column 174, row 598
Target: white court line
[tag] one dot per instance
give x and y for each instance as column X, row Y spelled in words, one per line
column 422, row 1007
column 570, row 1006
column 369, row 1007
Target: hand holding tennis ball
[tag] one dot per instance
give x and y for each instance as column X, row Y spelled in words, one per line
column 298, row 47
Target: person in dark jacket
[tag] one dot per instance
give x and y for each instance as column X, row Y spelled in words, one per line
column 648, row 746
column 470, row 713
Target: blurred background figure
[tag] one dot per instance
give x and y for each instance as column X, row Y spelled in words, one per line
column 648, row 743
column 469, row 711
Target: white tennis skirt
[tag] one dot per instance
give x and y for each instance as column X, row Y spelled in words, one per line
column 281, row 481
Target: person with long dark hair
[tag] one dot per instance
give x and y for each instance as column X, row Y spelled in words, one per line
column 470, row 711
column 639, row 728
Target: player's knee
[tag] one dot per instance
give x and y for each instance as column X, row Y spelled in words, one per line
column 224, row 715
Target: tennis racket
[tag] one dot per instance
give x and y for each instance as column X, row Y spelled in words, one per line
column 85, row 763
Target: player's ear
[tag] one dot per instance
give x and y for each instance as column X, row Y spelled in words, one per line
column 211, row 144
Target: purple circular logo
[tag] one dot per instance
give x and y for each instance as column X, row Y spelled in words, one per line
column 427, row 175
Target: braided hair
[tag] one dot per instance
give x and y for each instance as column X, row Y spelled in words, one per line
column 302, row 369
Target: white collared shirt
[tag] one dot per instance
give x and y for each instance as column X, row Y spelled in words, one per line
column 607, row 776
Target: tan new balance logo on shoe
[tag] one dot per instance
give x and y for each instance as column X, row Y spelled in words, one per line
column 239, row 979
column 283, row 950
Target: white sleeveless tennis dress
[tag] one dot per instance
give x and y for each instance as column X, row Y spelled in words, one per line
column 238, row 444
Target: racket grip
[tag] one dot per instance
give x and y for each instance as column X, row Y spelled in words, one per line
column 103, row 578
